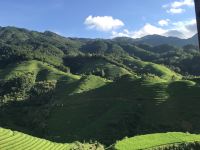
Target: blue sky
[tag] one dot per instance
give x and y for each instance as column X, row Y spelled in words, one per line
column 102, row 18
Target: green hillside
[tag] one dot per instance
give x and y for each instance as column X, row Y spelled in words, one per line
column 18, row 79
column 18, row 141
column 164, row 141
column 142, row 67
column 70, row 89
column 40, row 70
column 97, row 65
column 110, row 110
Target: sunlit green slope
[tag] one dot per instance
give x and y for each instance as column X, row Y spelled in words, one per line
column 142, row 67
column 40, row 70
column 13, row 140
column 158, row 141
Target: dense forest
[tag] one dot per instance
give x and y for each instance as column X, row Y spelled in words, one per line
column 22, row 45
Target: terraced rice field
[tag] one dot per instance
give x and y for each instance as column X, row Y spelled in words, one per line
column 18, row 141
column 13, row 140
column 171, row 140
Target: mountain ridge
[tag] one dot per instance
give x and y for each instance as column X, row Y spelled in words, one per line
column 153, row 40
column 156, row 40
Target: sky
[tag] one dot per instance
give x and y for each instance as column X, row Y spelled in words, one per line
column 102, row 18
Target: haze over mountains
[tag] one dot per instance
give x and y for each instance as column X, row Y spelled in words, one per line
column 159, row 40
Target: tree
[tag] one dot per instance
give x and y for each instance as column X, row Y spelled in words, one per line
column 98, row 47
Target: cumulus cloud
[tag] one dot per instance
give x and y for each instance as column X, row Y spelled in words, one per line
column 178, row 4
column 181, row 29
column 164, row 22
column 148, row 29
column 103, row 23
column 178, row 7
column 188, row 28
column 175, row 10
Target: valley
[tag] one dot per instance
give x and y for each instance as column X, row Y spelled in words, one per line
column 87, row 90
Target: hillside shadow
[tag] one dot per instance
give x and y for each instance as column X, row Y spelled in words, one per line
column 106, row 114
column 126, row 107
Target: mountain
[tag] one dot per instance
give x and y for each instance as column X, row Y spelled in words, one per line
column 71, row 89
column 193, row 40
column 155, row 40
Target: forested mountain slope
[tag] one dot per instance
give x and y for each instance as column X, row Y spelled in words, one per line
column 159, row 40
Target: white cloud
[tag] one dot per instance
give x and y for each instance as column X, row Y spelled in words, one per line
column 188, row 28
column 176, row 10
column 148, row 29
column 177, row 7
column 181, row 29
column 178, row 4
column 164, row 22
column 103, row 23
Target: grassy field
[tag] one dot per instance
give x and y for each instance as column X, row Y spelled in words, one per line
column 42, row 71
column 171, row 140
column 143, row 67
column 88, row 83
column 13, row 140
